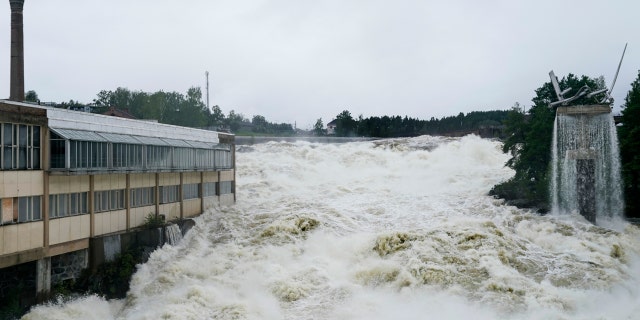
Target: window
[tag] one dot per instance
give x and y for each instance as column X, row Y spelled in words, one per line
column 191, row 191
column 140, row 197
column 19, row 146
column 70, row 204
column 209, row 189
column 223, row 159
column 87, row 154
column 57, row 146
column 117, row 199
column 108, row 200
column 184, row 158
column 158, row 157
column 205, row 158
column 225, row 187
column 90, row 150
column 28, row 208
column 168, row 194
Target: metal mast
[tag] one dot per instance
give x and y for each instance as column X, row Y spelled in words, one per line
column 206, row 73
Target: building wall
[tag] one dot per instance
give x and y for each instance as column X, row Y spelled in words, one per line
column 141, row 180
column 69, row 229
column 210, row 176
column 21, row 237
column 113, row 181
column 226, row 175
column 191, row 207
column 110, row 222
column 170, row 211
column 21, row 183
column 169, row 179
column 137, row 216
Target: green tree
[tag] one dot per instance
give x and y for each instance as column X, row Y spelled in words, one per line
column 216, row 117
column 154, row 107
column 31, row 96
column 345, row 124
column 259, row 123
column 318, row 128
column 629, row 134
column 234, row 120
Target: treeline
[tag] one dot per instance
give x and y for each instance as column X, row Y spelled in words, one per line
column 397, row 126
column 176, row 108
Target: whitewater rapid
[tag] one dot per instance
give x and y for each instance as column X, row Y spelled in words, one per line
column 391, row 229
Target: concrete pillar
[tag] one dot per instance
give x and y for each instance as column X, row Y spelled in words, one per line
column 586, row 187
column 43, row 279
column 17, row 51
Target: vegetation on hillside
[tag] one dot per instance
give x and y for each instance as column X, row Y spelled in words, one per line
column 629, row 134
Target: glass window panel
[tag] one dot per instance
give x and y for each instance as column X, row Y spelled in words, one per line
column 37, row 213
column 83, row 200
column 73, row 201
column 63, row 205
column 57, row 154
column 113, row 200
column 7, row 158
column 36, row 158
column 104, row 205
column 53, row 206
column 36, row 136
column 7, row 134
column 22, row 157
column 23, row 210
column 22, row 135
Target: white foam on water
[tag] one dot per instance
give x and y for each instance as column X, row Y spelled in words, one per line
column 395, row 229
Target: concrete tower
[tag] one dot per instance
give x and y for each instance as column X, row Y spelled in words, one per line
column 17, row 51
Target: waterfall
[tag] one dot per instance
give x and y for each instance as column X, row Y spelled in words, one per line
column 585, row 165
column 111, row 245
column 172, row 233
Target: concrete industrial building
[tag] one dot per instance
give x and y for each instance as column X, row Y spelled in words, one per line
column 68, row 177
column 76, row 187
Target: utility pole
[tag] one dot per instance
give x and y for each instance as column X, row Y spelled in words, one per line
column 206, row 73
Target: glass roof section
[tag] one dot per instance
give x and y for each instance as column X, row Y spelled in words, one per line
column 177, row 143
column 200, row 145
column 83, row 135
column 151, row 141
column 119, row 138
column 79, row 135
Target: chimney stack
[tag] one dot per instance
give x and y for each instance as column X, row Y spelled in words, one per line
column 17, row 51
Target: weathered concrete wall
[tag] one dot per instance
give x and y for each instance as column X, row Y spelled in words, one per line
column 69, row 265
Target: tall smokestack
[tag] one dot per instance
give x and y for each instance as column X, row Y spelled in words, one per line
column 17, row 51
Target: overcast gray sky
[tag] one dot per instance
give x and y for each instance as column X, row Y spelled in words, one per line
column 300, row 60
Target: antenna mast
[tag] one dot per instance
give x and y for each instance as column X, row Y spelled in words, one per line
column 206, row 73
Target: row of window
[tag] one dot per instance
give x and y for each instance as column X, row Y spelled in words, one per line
column 20, row 146
column 108, row 200
column 25, row 209
column 20, row 209
column 140, row 197
column 68, row 204
column 107, row 155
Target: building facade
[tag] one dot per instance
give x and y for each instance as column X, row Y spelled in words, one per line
column 67, row 177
